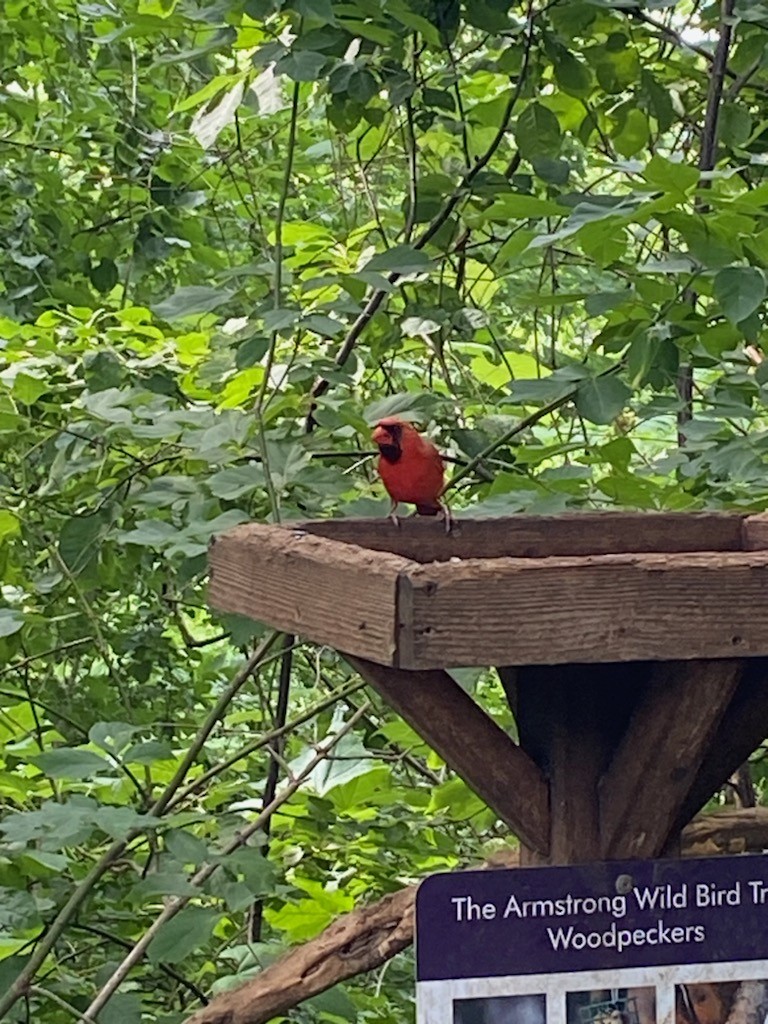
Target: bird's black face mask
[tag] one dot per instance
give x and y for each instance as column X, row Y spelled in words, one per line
column 393, row 451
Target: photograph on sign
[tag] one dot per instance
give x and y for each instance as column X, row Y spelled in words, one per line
column 634, row 942
column 722, row 1002
column 500, row 1010
column 622, row 1006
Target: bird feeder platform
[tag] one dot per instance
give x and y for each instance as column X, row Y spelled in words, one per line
column 632, row 649
column 524, row 590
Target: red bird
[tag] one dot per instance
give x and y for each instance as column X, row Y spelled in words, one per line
column 411, row 468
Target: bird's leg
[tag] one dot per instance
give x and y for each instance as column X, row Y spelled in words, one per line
column 392, row 514
column 446, row 512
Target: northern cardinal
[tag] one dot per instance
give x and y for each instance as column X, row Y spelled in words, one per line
column 411, row 468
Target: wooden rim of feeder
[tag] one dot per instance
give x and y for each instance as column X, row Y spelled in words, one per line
column 522, row 590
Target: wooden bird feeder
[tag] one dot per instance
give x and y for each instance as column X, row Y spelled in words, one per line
column 632, row 647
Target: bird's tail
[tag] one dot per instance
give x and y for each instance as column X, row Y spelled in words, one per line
column 427, row 510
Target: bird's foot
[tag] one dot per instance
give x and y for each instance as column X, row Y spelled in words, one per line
column 447, row 517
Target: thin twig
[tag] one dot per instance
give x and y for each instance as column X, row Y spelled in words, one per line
column 377, row 296
column 45, row 993
column 23, row 662
column 263, row 741
column 125, row 944
column 206, row 870
column 707, row 161
column 273, row 771
column 81, row 893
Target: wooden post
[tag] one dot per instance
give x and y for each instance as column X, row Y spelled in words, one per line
column 569, row 720
column 625, row 746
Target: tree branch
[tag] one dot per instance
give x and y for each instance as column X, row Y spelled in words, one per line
column 370, row 935
column 204, row 873
column 376, row 297
column 81, row 893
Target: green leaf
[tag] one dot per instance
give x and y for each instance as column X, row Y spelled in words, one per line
column 517, row 206
column 671, row 176
column 407, row 405
column 148, row 752
column 734, row 125
column 456, row 799
column 235, row 482
column 556, row 172
column 191, row 300
column 250, row 352
column 178, row 938
column 571, row 74
column 302, row 65
column 79, row 540
column 11, row 621
column 258, row 874
column 111, row 736
column 186, row 848
column 601, row 399
column 71, row 763
column 28, row 388
column 10, row 525
column 336, row 1003
column 118, row 822
column 104, row 276
column 403, row 259
column 634, row 134
column 122, row 1008
column 9, row 414
column 740, row 291
column 537, row 132
column 10, row 968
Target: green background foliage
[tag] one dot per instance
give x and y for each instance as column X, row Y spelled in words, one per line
column 232, row 235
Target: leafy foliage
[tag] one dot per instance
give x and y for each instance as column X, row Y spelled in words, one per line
column 232, row 236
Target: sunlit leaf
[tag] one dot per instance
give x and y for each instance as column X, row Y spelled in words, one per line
column 740, row 291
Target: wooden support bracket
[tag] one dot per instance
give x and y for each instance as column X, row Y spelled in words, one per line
column 741, row 730
column 661, row 753
column 471, row 743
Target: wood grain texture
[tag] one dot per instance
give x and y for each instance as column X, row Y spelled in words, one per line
column 514, row 611
column 359, row 941
column 333, row 594
column 580, row 533
column 656, row 763
column 743, row 728
column 755, row 532
column 570, row 719
column 471, row 743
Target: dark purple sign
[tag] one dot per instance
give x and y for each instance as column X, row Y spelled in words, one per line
column 481, row 924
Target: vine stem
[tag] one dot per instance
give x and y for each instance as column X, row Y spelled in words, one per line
column 277, row 280
column 707, row 161
column 378, row 295
column 264, row 741
column 204, row 873
column 82, row 892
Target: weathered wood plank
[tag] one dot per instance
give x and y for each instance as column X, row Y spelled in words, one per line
column 513, row 611
column 656, row 762
column 755, row 532
column 743, row 728
column 333, row 594
column 582, row 533
column 471, row 743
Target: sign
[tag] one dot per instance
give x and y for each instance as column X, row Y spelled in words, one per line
column 632, row 942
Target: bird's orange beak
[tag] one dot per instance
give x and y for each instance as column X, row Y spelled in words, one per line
column 381, row 436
